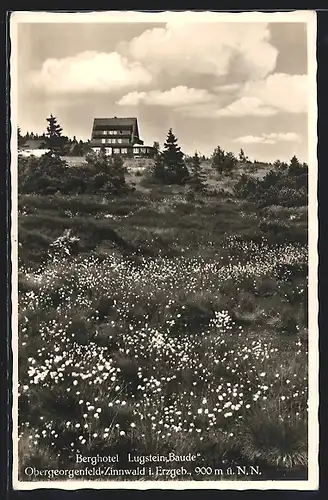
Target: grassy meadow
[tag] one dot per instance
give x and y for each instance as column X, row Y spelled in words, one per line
column 163, row 324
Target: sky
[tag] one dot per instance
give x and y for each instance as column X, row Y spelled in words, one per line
column 233, row 85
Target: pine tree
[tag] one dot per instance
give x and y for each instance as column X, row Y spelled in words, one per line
column 295, row 167
column 170, row 167
column 54, row 131
column 197, row 179
column 280, row 166
column 158, row 170
column 242, row 157
column 230, row 162
column 223, row 162
column 156, row 147
column 294, row 161
column 218, row 159
column 20, row 138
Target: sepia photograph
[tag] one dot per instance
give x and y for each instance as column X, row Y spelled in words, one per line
column 164, row 250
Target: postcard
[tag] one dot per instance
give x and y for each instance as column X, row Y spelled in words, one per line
column 164, row 250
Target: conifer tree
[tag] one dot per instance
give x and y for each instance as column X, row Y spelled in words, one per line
column 197, row 178
column 295, row 167
column 20, row 138
column 294, row 163
column 222, row 162
column 54, row 138
column 242, row 157
column 170, row 167
column 156, row 147
column 218, row 159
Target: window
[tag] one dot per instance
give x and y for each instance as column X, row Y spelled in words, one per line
column 116, row 151
column 111, row 132
column 136, row 150
column 103, row 141
column 119, row 141
column 109, row 151
column 124, row 151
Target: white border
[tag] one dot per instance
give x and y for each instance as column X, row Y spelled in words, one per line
column 308, row 17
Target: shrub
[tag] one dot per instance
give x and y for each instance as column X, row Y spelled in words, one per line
column 276, row 438
column 197, row 181
column 50, row 174
column 222, row 162
column 43, row 175
column 280, row 186
column 65, row 244
column 106, row 174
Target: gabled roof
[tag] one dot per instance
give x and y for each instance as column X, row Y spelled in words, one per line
column 115, row 121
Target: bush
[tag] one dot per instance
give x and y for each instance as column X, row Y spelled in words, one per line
column 107, row 174
column 50, row 174
column 222, row 162
column 43, row 175
column 281, row 186
column 65, row 244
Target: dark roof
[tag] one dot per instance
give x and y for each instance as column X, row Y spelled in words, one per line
column 115, row 121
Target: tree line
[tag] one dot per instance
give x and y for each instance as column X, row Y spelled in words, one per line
column 104, row 173
column 53, row 138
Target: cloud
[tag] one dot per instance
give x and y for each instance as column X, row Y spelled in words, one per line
column 275, row 94
column 228, row 88
column 206, row 49
column 180, row 50
column 89, row 72
column 246, row 106
column 271, row 138
column 132, row 99
column 284, row 92
column 175, row 97
column 184, row 56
